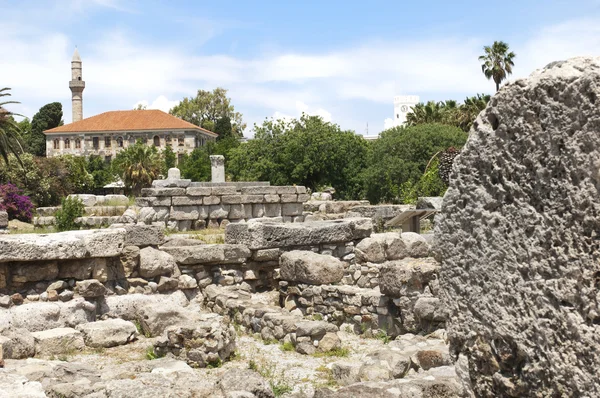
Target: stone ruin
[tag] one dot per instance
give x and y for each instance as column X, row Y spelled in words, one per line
column 322, row 306
column 518, row 239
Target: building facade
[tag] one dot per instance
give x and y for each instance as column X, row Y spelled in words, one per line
column 402, row 105
column 108, row 133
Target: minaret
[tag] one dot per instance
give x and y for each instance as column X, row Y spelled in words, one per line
column 76, row 85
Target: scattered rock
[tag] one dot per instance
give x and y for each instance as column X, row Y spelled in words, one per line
column 108, row 333
column 57, row 341
column 311, row 268
column 90, row 288
column 155, row 262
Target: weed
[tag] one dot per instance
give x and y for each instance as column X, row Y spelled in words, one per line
column 63, row 358
column 252, row 365
column 328, row 375
column 215, row 364
column 336, row 352
column 279, row 388
column 151, row 354
column 363, row 327
column 287, row 346
column 270, row 341
column 383, row 336
column 317, row 317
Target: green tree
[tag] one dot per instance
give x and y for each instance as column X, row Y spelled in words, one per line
column 48, row 117
column 307, row 151
column 169, row 158
column 10, row 138
column 223, row 128
column 470, row 109
column 207, row 107
column 138, row 165
column 401, row 154
column 497, row 62
column 100, row 172
column 196, row 165
column 79, row 178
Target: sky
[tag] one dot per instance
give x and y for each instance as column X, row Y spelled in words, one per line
column 342, row 60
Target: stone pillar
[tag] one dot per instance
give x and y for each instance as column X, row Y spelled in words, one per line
column 174, row 174
column 217, row 168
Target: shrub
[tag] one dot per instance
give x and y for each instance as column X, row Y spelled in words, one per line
column 16, row 205
column 66, row 215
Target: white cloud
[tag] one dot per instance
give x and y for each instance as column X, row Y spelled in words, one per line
column 161, row 102
column 120, row 68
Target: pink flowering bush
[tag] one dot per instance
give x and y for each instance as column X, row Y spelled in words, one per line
column 16, row 205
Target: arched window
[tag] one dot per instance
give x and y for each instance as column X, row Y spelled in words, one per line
column 120, row 142
column 156, row 140
column 181, row 141
column 67, row 143
column 107, row 142
column 77, row 143
column 56, row 143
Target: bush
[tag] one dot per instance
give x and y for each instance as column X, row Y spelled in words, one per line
column 16, row 205
column 70, row 210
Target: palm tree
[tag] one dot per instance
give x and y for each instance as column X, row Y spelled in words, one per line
column 138, row 166
column 9, row 130
column 497, row 62
column 469, row 110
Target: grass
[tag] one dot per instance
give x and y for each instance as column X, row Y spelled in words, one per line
column 327, row 374
column 287, row 346
column 317, row 317
column 336, row 352
column 383, row 336
column 279, row 388
column 277, row 383
column 214, row 364
column 150, row 354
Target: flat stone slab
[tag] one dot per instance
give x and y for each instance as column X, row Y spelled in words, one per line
column 266, row 234
column 62, row 245
column 58, row 341
column 209, row 254
column 108, row 333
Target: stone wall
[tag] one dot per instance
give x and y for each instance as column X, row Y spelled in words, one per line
column 184, row 207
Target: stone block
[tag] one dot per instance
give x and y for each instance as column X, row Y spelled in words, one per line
column 34, row 271
column 224, row 190
column 108, row 333
column 264, row 235
column 153, row 201
column 291, row 209
column 248, row 211
column 3, row 219
column 311, row 268
column 286, row 190
column 216, row 212
column 142, row 235
column 90, row 288
column 199, row 191
column 272, row 199
column 209, row 254
column 62, row 245
column 155, row 262
column 289, row 198
column 272, row 209
column 237, row 212
column 212, row 200
column 187, row 200
column 185, row 225
column 258, row 210
column 300, row 189
column 87, row 200
column 252, row 198
column 264, row 190
column 182, row 183
column 231, row 199
column 303, row 197
column 266, row 255
column 58, row 341
column 179, row 213
column 163, row 191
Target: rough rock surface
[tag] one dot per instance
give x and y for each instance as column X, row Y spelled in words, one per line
column 108, row 333
column 518, row 238
column 312, row 268
column 57, row 341
column 154, row 262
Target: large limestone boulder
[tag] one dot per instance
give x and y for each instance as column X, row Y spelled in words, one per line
column 108, row 333
column 58, row 341
column 381, row 247
column 517, row 237
column 312, row 268
column 17, row 344
column 244, row 382
column 407, row 276
column 208, row 254
column 155, row 262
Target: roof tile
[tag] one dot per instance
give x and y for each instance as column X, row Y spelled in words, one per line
column 151, row 119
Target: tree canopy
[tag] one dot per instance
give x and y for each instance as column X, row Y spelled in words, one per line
column 497, row 62
column 10, row 138
column 48, row 117
column 401, row 154
column 207, row 107
column 138, row 165
column 308, row 151
column 448, row 112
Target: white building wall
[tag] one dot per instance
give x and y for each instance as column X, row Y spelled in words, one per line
column 402, row 105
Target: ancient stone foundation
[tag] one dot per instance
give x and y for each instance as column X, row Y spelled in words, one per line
column 518, row 239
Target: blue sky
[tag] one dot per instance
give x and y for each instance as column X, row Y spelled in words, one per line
column 343, row 60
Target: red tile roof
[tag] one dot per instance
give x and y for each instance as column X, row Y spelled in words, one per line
column 151, row 119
